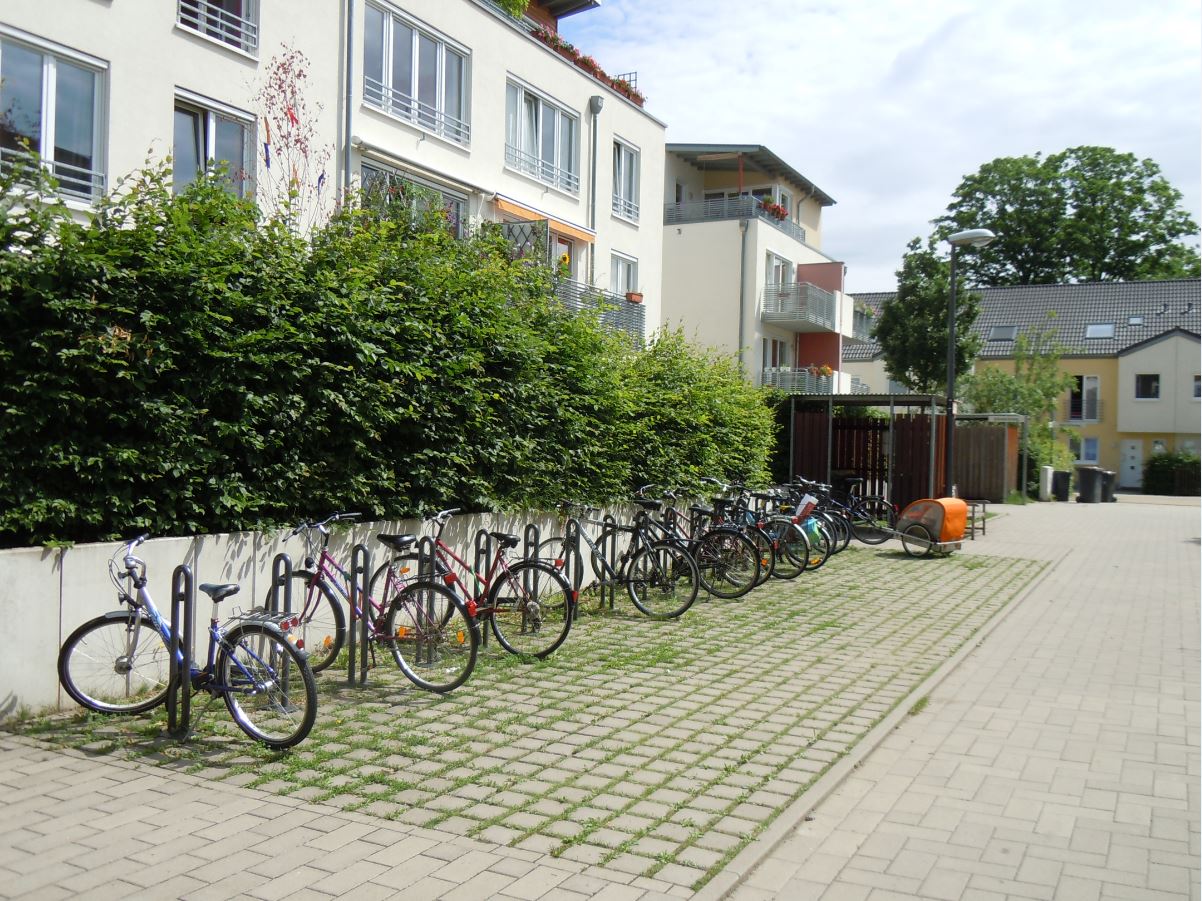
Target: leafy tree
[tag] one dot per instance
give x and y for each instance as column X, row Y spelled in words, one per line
column 911, row 327
column 1084, row 214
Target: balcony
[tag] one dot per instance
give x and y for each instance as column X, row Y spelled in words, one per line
column 798, row 306
column 617, row 312
column 729, row 208
column 1082, row 410
column 543, row 170
column 797, row 381
column 231, row 23
column 861, row 326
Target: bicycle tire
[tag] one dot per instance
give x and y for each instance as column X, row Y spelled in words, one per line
column 531, row 609
column 432, row 637
column 662, row 580
column 917, row 540
column 106, row 668
column 766, row 546
column 793, row 550
column 819, row 542
column 322, row 628
column 267, row 684
column 874, row 520
column 728, row 563
column 551, row 552
column 840, row 530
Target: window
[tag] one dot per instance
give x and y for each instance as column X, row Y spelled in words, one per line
column 50, row 105
column 541, row 139
column 394, row 187
column 1100, row 330
column 233, row 22
column 1083, row 399
column 1197, row 387
column 415, row 75
column 1135, row 320
column 204, row 137
column 626, row 181
column 623, row 274
column 1147, row 386
column 776, row 354
column 1003, row 333
column 785, row 199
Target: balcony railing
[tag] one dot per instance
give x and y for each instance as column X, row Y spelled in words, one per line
column 210, row 19
column 861, row 326
column 403, row 106
column 797, row 303
column 626, row 209
column 73, row 181
column 858, row 387
column 542, row 170
column 1083, row 410
column 617, row 312
column 729, row 208
column 797, row 381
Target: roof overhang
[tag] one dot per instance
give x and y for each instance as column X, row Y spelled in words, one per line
column 753, row 157
column 561, row 8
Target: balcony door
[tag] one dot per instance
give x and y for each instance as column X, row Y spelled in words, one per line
column 1083, row 400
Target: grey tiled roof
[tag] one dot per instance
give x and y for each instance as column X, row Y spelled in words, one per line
column 1164, row 306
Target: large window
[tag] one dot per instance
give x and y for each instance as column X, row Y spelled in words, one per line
column 1083, row 403
column 623, row 273
column 776, row 354
column 388, row 187
column 626, row 181
column 778, row 272
column 415, row 75
column 204, row 137
column 51, row 105
column 541, row 139
column 233, row 22
column 1147, row 386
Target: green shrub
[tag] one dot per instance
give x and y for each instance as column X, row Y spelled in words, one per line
column 1175, row 473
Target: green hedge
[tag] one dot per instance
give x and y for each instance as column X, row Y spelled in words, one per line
column 1173, row 473
column 177, row 365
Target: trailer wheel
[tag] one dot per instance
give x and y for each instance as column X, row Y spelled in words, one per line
column 917, row 540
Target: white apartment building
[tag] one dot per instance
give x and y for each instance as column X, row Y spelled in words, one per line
column 744, row 270
column 453, row 95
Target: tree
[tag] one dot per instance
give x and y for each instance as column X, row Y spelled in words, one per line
column 1084, row 214
column 912, row 327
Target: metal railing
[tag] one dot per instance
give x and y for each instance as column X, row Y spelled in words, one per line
column 729, row 208
column 1084, row 410
column 858, row 386
column 617, row 312
column 541, row 169
column 241, row 31
column 797, row 381
column 627, row 209
column 403, row 106
column 73, row 181
column 796, row 302
column 861, row 326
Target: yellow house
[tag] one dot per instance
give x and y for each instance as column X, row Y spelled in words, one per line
column 1131, row 347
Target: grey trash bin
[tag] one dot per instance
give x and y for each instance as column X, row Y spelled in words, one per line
column 1060, row 480
column 1108, row 478
column 1089, row 485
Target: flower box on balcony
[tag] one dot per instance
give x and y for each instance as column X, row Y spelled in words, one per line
column 634, row 296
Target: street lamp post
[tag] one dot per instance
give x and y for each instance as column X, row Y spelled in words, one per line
column 973, row 237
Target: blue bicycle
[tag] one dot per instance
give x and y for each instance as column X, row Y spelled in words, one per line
column 120, row 662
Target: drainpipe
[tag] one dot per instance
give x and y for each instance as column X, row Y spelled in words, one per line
column 595, row 103
column 346, row 133
column 742, row 288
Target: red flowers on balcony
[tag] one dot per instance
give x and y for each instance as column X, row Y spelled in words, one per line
column 775, row 210
column 587, row 64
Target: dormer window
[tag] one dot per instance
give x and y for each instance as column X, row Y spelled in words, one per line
column 1099, row 330
column 1003, row 333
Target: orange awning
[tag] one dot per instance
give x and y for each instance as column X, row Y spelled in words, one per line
column 513, row 208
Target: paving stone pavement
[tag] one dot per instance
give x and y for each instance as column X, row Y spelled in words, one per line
column 1058, row 758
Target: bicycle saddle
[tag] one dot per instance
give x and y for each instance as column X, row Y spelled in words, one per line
column 398, row 542
column 704, row 511
column 648, row 504
column 506, row 540
column 218, row 592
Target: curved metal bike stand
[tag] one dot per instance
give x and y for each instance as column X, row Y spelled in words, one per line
column 179, row 694
column 358, row 647
column 571, row 540
column 280, row 601
column 482, row 554
column 609, row 550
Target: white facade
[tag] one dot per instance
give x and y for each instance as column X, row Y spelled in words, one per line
column 1157, row 390
column 452, row 94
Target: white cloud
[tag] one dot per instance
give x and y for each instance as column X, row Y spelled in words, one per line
column 887, row 105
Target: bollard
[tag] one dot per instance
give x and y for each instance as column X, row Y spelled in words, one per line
column 179, row 693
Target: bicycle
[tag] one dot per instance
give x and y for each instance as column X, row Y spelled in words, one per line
column 527, row 603
column 871, row 517
column 120, row 662
column 427, row 630
column 660, row 578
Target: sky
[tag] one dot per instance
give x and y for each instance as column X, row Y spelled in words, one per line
column 886, row 105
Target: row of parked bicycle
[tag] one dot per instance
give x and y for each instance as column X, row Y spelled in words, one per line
column 429, row 608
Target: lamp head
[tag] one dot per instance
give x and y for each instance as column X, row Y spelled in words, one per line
column 973, row 237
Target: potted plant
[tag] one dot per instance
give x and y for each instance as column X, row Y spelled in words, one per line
column 825, row 370
column 634, row 296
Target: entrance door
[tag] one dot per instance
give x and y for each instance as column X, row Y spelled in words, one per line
column 1131, row 469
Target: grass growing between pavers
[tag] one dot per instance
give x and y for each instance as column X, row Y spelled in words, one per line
column 655, row 748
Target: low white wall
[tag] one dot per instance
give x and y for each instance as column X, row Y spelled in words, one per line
column 46, row 593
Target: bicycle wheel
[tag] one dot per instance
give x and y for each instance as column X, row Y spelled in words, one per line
column 792, row 549
column 432, row 637
column 531, row 609
column 116, row 663
column 322, row 623
column 840, row 529
column 765, row 546
column 267, row 684
column 819, row 541
column 571, row 567
column 662, row 580
column 728, row 563
column 873, row 521
column 917, row 541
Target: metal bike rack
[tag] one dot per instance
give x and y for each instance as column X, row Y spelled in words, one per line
column 571, row 540
column 425, row 558
column 609, row 550
column 179, row 694
column 481, row 557
column 358, row 650
column 281, row 578
column 532, row 538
